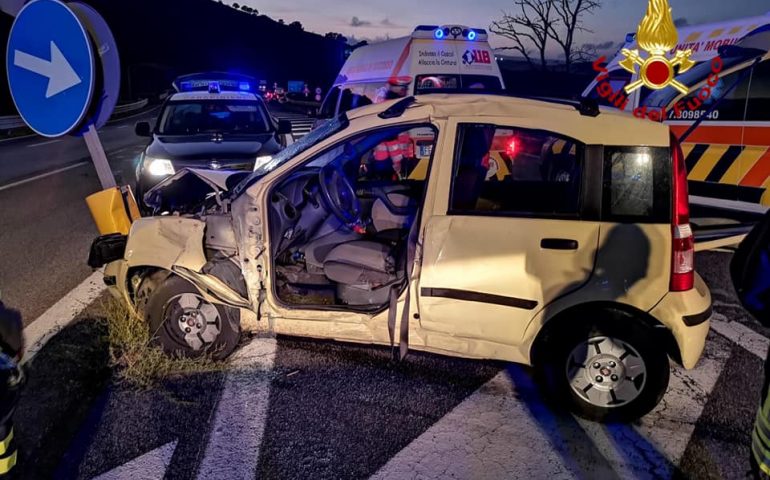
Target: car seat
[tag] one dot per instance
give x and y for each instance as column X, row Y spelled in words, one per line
column 364, row 270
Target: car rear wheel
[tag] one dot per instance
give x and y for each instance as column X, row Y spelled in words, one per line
column 183, row 323
column 612, row 370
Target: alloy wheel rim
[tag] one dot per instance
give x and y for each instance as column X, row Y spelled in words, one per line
column 606, row 372
column 191, row 321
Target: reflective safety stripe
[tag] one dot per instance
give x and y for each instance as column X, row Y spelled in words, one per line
column 6, row 464
column 6, row 442
column 381, row 152
column 760, row 455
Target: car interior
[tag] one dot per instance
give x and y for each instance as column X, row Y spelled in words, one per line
column 340, row 224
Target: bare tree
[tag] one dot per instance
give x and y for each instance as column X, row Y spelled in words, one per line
column 570, row 14
column 528, row 28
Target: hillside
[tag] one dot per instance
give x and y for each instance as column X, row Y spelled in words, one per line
column 160, row 39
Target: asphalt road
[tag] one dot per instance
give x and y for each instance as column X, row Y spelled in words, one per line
column 325, row 410
column 45, row 227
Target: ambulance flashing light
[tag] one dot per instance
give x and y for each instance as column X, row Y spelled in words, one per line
column 450, row 32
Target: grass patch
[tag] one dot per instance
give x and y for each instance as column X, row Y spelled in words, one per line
column 136, row 359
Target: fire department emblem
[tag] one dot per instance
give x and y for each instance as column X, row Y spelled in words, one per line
column 657, row 36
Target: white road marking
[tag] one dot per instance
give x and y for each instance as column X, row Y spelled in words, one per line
column 43, row 143
column 741, row 335
column 150, row 466
column 505, row 431
column 241, row 414
column 43, row 175
column 61, row 314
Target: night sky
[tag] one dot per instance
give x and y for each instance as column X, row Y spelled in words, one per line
column 374, row 20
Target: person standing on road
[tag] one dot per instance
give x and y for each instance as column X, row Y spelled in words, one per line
column 10, row 384
column 750, row 273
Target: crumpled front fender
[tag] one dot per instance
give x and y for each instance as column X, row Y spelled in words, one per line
column 166, row 242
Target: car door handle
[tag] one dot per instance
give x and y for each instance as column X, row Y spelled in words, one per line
column 558, row 244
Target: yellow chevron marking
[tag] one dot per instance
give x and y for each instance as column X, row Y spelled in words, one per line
column 746, row 162
column 707, row 162
column 716, row 32
column 736, row 29
column 687, row 148
column 693, row 36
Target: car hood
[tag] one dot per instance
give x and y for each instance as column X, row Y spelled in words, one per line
column 191, row 190
column 205, row 147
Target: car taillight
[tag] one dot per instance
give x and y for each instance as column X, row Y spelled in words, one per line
column 683, row 241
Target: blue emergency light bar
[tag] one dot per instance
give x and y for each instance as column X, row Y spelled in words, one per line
column 450, row 32
column 215, row 82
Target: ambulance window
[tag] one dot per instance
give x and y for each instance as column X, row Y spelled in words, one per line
column 731, row 108
column 759, row 97
column 617, row 80
column 515, row 172
column 329, row 107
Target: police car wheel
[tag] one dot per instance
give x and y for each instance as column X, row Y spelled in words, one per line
column 612, row 370
column 184, row 324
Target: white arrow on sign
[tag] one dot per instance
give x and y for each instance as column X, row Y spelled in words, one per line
column 60, row 74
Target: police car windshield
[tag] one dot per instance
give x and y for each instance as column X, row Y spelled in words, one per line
column 190, row 117
column 319, row 134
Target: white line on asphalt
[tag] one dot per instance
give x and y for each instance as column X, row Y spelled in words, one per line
column 239, row 421
column 741, row 335
column 43, row 143
column 504, row 430
column 150, row 466
column 43, row 175
column 61, row 314
column 123, row 126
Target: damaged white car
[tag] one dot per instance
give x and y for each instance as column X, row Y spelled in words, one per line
column 548, row 234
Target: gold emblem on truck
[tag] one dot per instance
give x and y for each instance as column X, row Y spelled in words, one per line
column 657, row 36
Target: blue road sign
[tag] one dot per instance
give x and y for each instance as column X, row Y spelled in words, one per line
column 50, row 66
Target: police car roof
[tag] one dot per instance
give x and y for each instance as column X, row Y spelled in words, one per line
column 187, row 96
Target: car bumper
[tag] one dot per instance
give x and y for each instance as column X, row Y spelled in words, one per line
column 688, row 316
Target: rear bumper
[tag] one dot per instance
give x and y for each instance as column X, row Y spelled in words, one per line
column 687, row 315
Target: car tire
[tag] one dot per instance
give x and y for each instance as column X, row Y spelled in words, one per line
column 171, row 305
column 612, row 369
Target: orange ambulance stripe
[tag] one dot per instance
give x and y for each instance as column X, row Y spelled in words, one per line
column 401, row 60
column 722, row 135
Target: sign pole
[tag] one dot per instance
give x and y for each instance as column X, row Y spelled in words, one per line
column 99, row 158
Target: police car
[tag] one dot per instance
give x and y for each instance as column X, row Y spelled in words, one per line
column 213, row 121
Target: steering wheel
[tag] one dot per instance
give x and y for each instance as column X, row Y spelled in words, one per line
column 339, row 195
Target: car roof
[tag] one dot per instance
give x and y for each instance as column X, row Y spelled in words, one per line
column 610, row 127
column 182, row 96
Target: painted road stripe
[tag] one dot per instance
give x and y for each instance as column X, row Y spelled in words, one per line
column 150, row 466
column 504, row 430
column 61, row 314
column 241, row 414
column 43, row 143
column 741, row 335
column 43, row 175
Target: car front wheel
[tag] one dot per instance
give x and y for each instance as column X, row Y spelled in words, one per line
column 611, row 371
column 183, row 323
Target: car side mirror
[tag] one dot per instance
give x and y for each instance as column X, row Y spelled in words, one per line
column 284, row 127
column 143, row 129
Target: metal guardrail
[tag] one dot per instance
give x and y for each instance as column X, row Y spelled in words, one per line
column 12, row 122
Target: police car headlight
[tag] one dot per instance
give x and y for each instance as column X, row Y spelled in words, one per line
column 159, row 167
column 262, row 161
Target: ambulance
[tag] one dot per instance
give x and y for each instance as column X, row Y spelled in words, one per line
column 449, row 58
column 726, row 136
